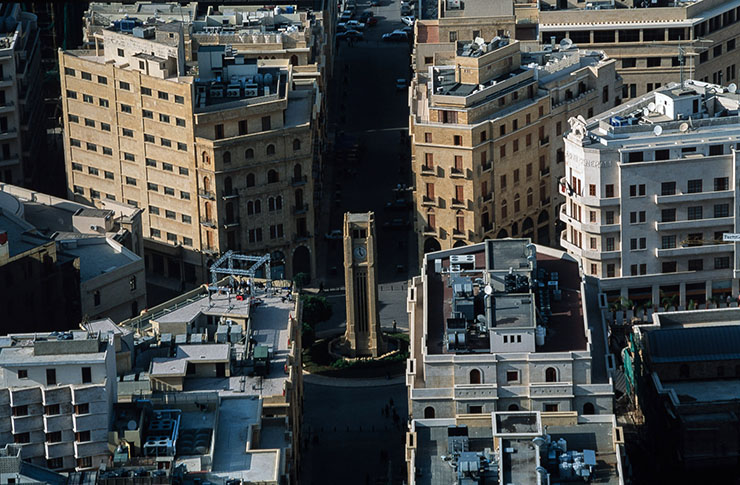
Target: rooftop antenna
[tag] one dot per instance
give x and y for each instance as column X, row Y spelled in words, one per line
column 681, row 60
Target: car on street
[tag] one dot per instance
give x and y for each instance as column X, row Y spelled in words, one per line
column 401, row 84
column 334, row 234
column 396, row 223
column 409, row 31
column 408, row 20
column 341, row 28
column 346, row 16
column 350, row 34
column 352, row 25
column 364, row 16
column 372, row 21
column 396, row 36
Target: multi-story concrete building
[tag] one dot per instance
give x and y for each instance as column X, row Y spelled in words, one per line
column 522, row 447
column 651, row 189
column 217, row 165
column 106, row 243
column 505, row 325
column 21, row 104
column 485, row 123
column 56, row 398
column 647, row 42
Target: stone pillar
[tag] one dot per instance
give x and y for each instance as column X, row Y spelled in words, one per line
column 708, row 290
column 682, row 294
column 735, row 288
column 656, row 295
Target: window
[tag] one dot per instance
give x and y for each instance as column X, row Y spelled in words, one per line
column 152, row 187
column 87, row 98
column 186, row 219
column 93, row 171
column 183, row 170
column 722, row 262
column 694, row 186
column 551, row 408
column 721, row 210
column 104, row 126
column 147, row 114
column 668, row 242
column 146, row 91
column 120, row 52
column 669, row 267
column 717, row 51
column 162, row 95
column 82, row 436
column 266, row 124
column 179, row 99
column 76, row 167
column 78, row 190
column 151, row 162
column 74, row 142
column 453, row 36
column 51, row 377
column 515, row 146
column 164, row 118
column 668, row 215
column 165, row 142
column 154, row 210
column 167, row 167
column 73, row 118
column 103, row 102
column 731, row 44
column 694, row 213
column 178, row 121
column 457, row 140
column 87, row 373
column 610, row 244
column 22, row 438
column 124, row 85
column 696, row 264
column 592, row 243
column 171, row 237
column 91, row 147
column 609, row 190
column 610, row 270
column 185, row 195
column 668, row 188
column 84, row 462
column 637, row 190
column 270, row 149
column 551, row 375
column 108, row 175
column 170, row 214
column 68, row 71
column 128, row 133
column 148, row 138
column 721, row 183
column 169, row 191
column 512, row 376
column 126, row 108
column 71, row 94
column 107, row 151
column 52, row 410
column 20, row 410
column 502, row 181
column 129, row 156
column 182, row 146
column 653, row 62
column 186, row 241
column 219, row 131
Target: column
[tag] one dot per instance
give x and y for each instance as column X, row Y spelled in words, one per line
column 735, row 288
column 624, row 292
column 708, row 290
column 656, row 295
column 682, row 294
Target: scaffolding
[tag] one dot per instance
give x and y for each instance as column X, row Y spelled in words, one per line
column 225, row 266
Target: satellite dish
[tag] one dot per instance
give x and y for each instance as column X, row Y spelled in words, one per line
column 581, row 119
column 683, row 128
column 651, row 107
column 566, row 44
column 732, row 88
column 658, row 130
column 645, row 112
column 488, row 290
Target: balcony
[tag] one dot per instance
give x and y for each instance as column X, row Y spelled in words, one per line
column 476, row 391
column 302, row 237
column 693, row 250
column 208, row 222
column 6, row 81
column 26, row 424
column 296, row 181
column 88, row 422
column 486, row 166
column 232, row 194
column 458, row 234
column 206, row 194
column 429, row 231
column 57, row 422
column 457, row 204
column 551, row 389
column 88, row 394
column 90, row 448
column 27, row 395
column 544, row 141
column 300, row 209
column 694, row 197
column 544, row 172
column 210, row 250
column 58, row 450
column 8, row 134
column 428, row 201
column 232, row 223
column 456, row 173
column 7, row 107
column 57, row 395
column 426, row 170
column 694, row 224
column 32, row 450
column 487, row 197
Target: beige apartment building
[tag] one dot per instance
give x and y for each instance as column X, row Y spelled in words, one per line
column 486, row 124
column 645, row 41
column 220, row 154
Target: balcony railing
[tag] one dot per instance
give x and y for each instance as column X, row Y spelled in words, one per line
column 457, row 173
column 88, row 394
column 296, row 181
column 91, row 448
column 425, row 200
column 427, row 170
column 486, row 166
column 57, row 395
column 545, row 171
column 206, row 194
column 208, row 222
column 544, row 141
column 302, row 237
column 457, row 203
column 25, row 424
column 209, row 249
column 456, row 233
column 21, row 396
column 57, row 422
column 57, row 450
column 429, row 231
column 300, row 209
column 231, row 223
column 232, row 194
column 487, row 197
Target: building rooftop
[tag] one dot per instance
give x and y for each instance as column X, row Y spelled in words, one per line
column 177, row 366
column 105, row 326
column 22, row 236
column 694, row 344
column 76, row 347
column 705, row 391
column 98, row 256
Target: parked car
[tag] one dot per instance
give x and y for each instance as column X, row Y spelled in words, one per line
column 333, row 235
column 346, row 16
column 350, row 34
column 396, row 36
column 364, row 16
column 341, row 28
column 401, row 84
column 372, row 21
column 352, row 25
column 409, row 31
column 408, row 20
column 407, row 11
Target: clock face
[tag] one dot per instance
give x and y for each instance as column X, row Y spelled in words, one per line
column 360, row 253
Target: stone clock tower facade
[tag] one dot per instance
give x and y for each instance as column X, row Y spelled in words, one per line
column 363, row 336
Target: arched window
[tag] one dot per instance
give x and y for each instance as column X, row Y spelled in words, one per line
column 250, row 180
column 208, row 210
column 588, row 408
column 516, row 203
column 272, row 177
column 299, row 198
column 227, row 186
column 513, row 407
column 271, row 204
column 205, row 158
column 270, row 149
column 460, row 222
column 530, row 197
column 297, row 172
column 250, row 208
column 475, row 376
column 206, row 183
column 429, row 412
column 279, row 203
column 249, row 153
column 683, row 371
column 294, row 60
column 503, row 209
column 257, row 206
column 502, row 234
column 551, row 374
column 227, row 157
column 296, row 145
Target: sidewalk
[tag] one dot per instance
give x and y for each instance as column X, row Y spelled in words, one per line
column 344, row 382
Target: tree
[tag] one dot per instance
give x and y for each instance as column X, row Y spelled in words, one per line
column 300, row 280
column 315, row 309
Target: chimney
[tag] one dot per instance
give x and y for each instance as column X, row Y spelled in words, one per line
column 4, row 247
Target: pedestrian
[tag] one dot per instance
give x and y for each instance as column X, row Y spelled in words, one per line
column 394, row 326
column 321, row 287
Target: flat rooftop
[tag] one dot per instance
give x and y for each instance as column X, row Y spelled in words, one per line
column 98, row 256
column 703, row 392
column 20, row 234
column 693, row 344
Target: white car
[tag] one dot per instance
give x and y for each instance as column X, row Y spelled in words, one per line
column 352, row 25
column 408, row 20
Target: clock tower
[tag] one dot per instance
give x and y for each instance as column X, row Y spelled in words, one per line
column 363, row 336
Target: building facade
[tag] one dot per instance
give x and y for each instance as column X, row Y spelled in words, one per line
column 651, row 189
column 489, row 332
column 21, row 103
column 486, row 121
column 57, row 395
column 215, row 166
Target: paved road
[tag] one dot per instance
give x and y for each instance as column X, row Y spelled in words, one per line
column 355, row 443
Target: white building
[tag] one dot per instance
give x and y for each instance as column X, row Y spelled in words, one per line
column 56, row 397
column 651, row 189
column 505, row 325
